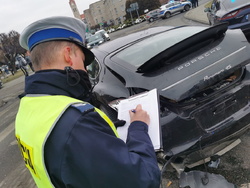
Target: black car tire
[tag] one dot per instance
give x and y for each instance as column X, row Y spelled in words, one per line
column 167, row 15
column 187, row 8
column 151, row 19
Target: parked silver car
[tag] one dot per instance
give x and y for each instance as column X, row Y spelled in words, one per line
column 174, row 6
column 104, row 34
column 153, row 15
column 95, row 40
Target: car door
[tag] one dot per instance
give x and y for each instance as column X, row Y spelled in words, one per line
column 169, row 7
column 178, row 6
column 155, row 14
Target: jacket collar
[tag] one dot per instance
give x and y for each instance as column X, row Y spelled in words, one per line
column 55, row 82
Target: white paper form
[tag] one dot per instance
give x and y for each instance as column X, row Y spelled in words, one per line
column 149, row 102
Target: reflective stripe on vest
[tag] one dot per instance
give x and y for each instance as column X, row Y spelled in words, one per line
column 35, row 120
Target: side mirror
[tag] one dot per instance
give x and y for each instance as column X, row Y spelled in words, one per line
column 207, row 10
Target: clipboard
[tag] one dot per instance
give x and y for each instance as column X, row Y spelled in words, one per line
column 149, row 101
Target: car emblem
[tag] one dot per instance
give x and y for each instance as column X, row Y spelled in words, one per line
column 199, row 58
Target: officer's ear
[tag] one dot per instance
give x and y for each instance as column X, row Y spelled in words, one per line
column 67, row 53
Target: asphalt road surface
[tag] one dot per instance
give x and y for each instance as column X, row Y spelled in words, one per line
column 234, row 165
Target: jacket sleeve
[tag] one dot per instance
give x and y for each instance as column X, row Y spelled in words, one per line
column 90, row 155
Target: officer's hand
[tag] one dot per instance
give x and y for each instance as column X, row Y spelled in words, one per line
column 138, row 114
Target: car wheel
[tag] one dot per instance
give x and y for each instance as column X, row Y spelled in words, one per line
column 167, row 15
column 151, row 19
column 187, row 8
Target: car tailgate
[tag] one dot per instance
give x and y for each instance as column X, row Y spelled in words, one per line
column 192, row 74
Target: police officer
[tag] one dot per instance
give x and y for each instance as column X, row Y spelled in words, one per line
column 64, row 140
column 22, row 64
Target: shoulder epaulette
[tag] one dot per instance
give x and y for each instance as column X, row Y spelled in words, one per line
column 84, row 108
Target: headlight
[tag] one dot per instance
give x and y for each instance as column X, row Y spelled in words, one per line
column 100, row 42
column 88, row 46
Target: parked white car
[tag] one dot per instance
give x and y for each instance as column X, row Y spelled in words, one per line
column 174, row 6
column 138, row 20
column 122, row 26
column 104, row 34
column 111, row 30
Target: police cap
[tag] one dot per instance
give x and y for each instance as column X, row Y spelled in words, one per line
column 58, row 28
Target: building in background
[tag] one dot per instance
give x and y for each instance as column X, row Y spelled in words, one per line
column 98, row 14
column 115, row 10
column 88, row 19
column 105, row 12
column 74, row 9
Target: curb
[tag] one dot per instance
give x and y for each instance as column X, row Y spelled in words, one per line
column 190, row 17
column 197, row 14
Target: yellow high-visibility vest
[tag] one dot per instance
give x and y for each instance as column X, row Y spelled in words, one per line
column 36, row 118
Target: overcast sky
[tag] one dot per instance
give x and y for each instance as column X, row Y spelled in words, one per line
column 17, row 14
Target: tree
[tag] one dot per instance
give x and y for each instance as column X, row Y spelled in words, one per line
column 95, row 27
column 143, row 5
column 10, row 47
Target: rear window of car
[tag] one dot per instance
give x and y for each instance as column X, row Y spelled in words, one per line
column 94, row 37
column 140, row 52
column 154, row 11
column 101, row 31
column 169, row 5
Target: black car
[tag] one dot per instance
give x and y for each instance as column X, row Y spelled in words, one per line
column 202, row 75
column 235, row 13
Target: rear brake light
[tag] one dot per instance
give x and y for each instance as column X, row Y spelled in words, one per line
column 230, row 15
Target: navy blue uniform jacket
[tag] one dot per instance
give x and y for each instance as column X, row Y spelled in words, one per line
column 83, row 152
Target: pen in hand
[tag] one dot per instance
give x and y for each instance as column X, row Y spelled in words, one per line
column 138, row 114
